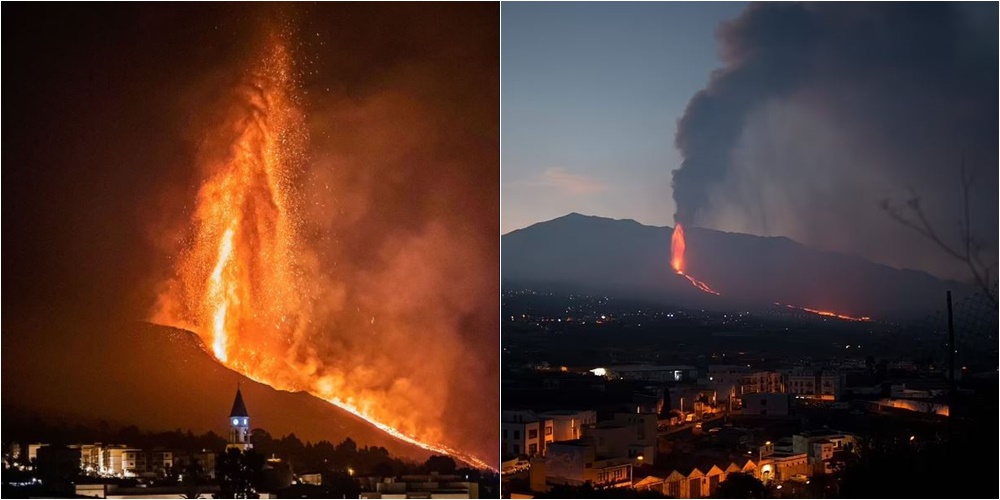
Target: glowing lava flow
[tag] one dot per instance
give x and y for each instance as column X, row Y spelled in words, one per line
column 677, row 247
column 826, row 313
column 247, row 283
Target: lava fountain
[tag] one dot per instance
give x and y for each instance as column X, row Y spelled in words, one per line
column 247, row 281
column 677, row 248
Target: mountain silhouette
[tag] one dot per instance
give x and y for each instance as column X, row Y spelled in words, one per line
column 600, row 255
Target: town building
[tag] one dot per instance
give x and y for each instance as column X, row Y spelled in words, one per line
column 424, row 486
column 815, row 384
column 695, row 401
column 103, row 490
column 764, row 404
column 820, row 447
column 568, row 424
column 649, row 373
column 642, row 441
column 762, row 381
column 577, row 462
column 521, row 433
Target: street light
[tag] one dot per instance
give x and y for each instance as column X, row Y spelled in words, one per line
column 760, row 457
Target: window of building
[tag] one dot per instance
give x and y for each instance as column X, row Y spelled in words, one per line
column 548, row 431
column 533, row 434
column 517, row 449
column 532, row 449
column 517, row 434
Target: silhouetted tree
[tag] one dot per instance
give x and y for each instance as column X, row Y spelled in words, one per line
column 971, row 250
column 740, row 485
column 341, row 485
column 239, row 473
column 440, row 463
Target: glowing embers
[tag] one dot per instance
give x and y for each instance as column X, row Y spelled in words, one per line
column 677, row 248
column 828, row 314
column 248, row 280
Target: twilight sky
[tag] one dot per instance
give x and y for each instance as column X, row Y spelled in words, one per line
column 591, row 97
column 802, row 120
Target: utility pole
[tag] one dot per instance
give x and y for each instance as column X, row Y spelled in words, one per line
column 951, row 356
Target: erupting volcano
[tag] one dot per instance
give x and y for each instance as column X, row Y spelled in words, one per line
column 248, row 282
column 677, row 248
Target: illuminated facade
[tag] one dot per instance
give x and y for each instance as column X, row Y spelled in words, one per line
column 815, row 384
column 568, row 425
column 523, row 433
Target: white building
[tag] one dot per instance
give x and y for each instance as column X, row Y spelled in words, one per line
column 568, row 424
column 815, row 384
column 521, row 433
column 642, row 447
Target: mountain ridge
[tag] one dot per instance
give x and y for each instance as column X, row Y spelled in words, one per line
column 631, row 258
column 579, row 215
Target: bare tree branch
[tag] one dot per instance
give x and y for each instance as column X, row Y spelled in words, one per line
column 971, row 252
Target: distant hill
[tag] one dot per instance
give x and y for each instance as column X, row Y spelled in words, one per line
column 624, row 257
column 159, row 378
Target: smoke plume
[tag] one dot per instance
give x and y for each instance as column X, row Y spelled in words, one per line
column 820, row 111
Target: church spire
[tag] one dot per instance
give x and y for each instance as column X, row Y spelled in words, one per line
column 239, row 420
column 239, row 407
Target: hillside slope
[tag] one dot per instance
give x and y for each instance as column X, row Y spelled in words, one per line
column 160, row 378
column 624, row 257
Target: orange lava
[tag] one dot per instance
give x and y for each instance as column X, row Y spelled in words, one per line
column 828, row 314
column 246, row 282
column 677, row 249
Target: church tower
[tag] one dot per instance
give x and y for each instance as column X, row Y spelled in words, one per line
column 239, row 425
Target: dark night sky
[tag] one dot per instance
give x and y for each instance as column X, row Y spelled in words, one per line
column 102, row 113
column 107, row 106
column 94, row 138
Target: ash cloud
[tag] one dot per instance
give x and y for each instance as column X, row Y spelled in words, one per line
column 401, row 203
column 821, row 111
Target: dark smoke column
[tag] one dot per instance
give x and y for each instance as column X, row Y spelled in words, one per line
column 765, row 50
column 914, row 63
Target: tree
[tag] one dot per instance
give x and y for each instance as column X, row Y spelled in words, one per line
column 441, row 464
column 971, row 250
column 193, row 477
column 239, row 473
column 741, row 485
column 341, row 485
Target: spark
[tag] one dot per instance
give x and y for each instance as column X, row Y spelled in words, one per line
column 243, row 284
